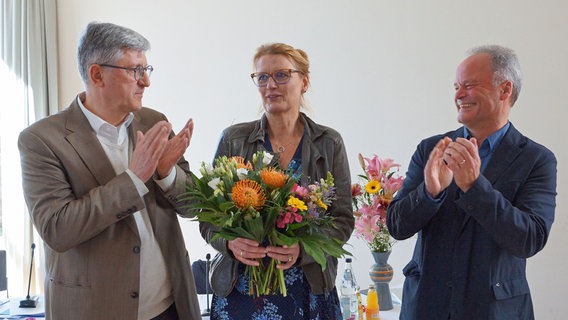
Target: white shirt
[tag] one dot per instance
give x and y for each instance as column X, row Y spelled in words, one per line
column 155, row 294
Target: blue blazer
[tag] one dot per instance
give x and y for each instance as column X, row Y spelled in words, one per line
column 470, row 256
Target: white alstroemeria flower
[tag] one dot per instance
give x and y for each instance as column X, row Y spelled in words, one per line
column 242, row 173
column 206, row 169
column 215, row 183
column 266, row 158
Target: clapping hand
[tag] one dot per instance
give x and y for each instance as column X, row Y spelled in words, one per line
column 149, row 149
column 175, row 149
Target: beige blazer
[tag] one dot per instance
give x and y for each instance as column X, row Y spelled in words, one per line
column 83, row 212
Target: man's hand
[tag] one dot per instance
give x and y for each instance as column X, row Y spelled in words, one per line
column 462, row 157
column 437, row 175
column 175, row 149
column 149, row 149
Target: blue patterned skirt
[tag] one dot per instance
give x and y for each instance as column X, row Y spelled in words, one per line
column 298, row 304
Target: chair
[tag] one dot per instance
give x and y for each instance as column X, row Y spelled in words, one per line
column 202, row 284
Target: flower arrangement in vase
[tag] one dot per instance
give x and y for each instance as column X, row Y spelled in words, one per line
column 371, row 199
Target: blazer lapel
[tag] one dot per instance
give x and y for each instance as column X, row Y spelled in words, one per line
column 85, row 142
column 508, row 150
column 502, row 158
column 88, row 147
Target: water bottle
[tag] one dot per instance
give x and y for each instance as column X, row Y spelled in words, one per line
column 349, row 289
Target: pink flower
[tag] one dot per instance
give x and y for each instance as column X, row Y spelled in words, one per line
column 390, row 187
column 365, row 228
column 356, row 190
column 288, row 217
column 377, row 168
column 375, row 209
column 300, row 191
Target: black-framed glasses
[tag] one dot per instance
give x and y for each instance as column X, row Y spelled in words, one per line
column 283, row 76
column 138, row 70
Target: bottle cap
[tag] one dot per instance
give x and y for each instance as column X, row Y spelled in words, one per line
column 347, row 259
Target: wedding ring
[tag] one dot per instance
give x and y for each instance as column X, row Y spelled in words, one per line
column 462, row 162
column 241, row 253
column 289, row 258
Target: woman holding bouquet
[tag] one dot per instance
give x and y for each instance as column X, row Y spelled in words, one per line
column 307, row 149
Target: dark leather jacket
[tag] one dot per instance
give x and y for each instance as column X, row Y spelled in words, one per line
column 322, row 151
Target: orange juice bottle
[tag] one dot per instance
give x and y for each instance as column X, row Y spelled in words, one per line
column 372, row 311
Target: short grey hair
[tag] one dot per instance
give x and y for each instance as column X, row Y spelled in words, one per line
column 505, row 66
column 104, row 43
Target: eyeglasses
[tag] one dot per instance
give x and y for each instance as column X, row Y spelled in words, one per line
column 138, row 70
column 283, row 76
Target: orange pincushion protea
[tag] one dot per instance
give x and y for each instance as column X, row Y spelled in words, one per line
column 248, row 194
column 273, row 178
column 241, row 163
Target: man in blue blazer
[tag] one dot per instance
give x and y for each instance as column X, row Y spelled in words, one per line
column 481, row 199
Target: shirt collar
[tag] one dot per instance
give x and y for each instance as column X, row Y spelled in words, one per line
column 104, row 129
column 493, row 140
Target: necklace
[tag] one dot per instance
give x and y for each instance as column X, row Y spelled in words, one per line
column 281, row 148
column 293, row 140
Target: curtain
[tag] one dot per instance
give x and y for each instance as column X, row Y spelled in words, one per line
column 28, row 66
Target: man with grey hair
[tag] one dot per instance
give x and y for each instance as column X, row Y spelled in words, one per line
column 101, row 180
column 481, row 199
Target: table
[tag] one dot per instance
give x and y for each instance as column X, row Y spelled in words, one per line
column 391, row 314
column 11, row 310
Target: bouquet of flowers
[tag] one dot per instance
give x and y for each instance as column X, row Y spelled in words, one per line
column 257, row 201
column 372, row 198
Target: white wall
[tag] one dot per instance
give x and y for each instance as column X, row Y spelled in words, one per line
column 382, row 74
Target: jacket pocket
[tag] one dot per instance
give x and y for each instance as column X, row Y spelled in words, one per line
column 412, row 275
column 411, row 269
column 510, row 288
column 512, row 300
column 223, row 274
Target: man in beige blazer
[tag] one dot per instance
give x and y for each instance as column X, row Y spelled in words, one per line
column 101, row 179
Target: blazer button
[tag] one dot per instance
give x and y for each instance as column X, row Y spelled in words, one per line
column 119, row 216
column 136, row 249
column 134, row 294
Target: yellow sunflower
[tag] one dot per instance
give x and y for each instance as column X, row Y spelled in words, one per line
column 248, row 194
column 273, row 178
column 373, row 186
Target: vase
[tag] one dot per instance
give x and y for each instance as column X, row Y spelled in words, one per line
column 381, row 274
